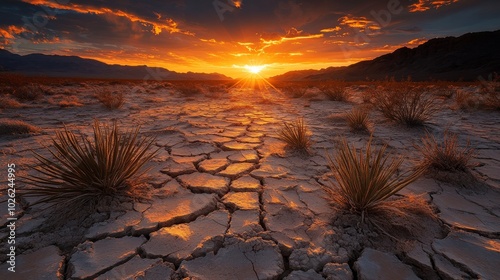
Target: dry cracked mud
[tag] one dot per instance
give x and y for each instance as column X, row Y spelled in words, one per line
column 227, row 200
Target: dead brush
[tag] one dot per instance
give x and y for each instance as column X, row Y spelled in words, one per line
column 445, row 155
column 83, row 173
column 294, row 91
column 406, row 104
column 364, row 180
column 335, row 92
column 295, row 135
column 357, row 119
column 29, row 92
column 189, row 90
column 110, row 100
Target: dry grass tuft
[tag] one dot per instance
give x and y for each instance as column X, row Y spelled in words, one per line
column 365, row 179
column 189, row 90
column 111, row 100
column 357, row 119
column 7, row 102
column 28, row 92
column 294, row 91
column 296, row 135
column 13, row 127
column 445, row 155
column 83, row 173
column 335, row 92
column 406, row 104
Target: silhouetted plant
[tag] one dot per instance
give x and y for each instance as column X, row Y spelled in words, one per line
column 335, row 92
column 296, row 135
column 82, row 172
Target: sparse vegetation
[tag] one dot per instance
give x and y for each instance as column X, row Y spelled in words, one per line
column 84, row 173
column 445, row 155
column 295, row 135
column 406, row 104
column 357, row 119
column 6, row 102
column 12, row 127
column 189, row 90
column 28, row 92
column 111, row 100
column 364, row 180
column 335, row 92
column 295, row 91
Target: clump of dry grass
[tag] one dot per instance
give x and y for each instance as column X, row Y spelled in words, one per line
column 294, row 91
column 189, row 90
column 83, row 173
column 6, row 102
column 13, row 127
column 28, row 92
column 111, row 100
column 70, row 101
column 357, row 119
column 406, row 104
column 445, row 155
column 335, row 92
column 364, row 180
column 295, row 135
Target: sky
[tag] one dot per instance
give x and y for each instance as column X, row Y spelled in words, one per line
column 228, row 36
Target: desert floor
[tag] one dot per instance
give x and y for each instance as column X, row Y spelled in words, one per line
column 228, row 200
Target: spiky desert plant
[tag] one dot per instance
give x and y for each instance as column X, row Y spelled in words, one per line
column 295, row 135
column 357, row 119
column 110, row 100
column 406, row 104
column 446, row 155
column 365, row 179
column 82, row 172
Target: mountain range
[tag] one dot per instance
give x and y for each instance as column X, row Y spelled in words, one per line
column 467, row 58
column 74, row 66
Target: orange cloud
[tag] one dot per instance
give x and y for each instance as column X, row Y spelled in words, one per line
column 156, row 26
column 331, row 29
column 416, row 42
column 359, row 23
column 11, row 31
column 424, row 5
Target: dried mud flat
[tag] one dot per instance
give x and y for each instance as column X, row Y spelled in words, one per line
column 226, row 200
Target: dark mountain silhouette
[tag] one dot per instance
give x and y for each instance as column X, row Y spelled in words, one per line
column 467, row 58
column 74, row 66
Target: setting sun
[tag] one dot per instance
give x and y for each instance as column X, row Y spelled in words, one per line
column 254, row 69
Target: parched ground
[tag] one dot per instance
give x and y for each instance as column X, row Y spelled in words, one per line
column 227, row 200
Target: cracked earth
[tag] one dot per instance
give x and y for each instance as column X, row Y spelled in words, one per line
column 227, row 200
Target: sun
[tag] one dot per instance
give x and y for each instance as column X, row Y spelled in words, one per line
column 254, row 69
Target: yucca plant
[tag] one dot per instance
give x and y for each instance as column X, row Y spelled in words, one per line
column 446, row 155
column 357, row 119
column 335, row 93
column 365, row 179
column 296, row 135
column 82, row 172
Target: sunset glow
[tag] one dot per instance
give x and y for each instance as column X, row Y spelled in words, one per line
column 212, row 36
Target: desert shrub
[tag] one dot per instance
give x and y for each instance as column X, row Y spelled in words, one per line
column 464, row 100
column 111, row 100
column 12, row 127
column 83, row 172
column 335, row 92
column 70, row 101
column 28, row 92
column 294, row 91
column 295, row 135
column 406, row 104
column 357, row 119
column 6, row 102
column 189, row 90
column 365, row 179
column 445, row 155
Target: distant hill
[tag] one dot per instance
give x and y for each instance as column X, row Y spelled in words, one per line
column 74, row 66
column 452, row 58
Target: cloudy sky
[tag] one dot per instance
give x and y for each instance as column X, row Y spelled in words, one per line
column 225, row 35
